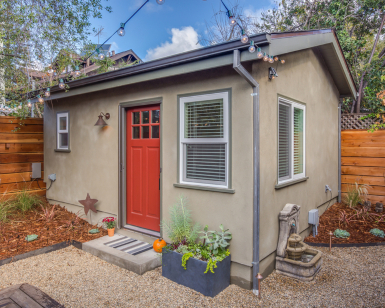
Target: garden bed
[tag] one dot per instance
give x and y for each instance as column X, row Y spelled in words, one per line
column 65, row 226
column 341, row 216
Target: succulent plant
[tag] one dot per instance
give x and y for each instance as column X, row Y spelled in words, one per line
column 341, row 233
column 31, row 237
column 93, row 231
column 217, row 240
column 377, row 232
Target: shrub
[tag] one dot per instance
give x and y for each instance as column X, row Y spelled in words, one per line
column 341, row 233
column 377, row 232
column 48, row 214
column 180, row 228
column 5, row 209
column 356, row 194
column 24, row 200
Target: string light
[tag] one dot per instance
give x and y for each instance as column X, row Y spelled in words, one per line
column 77, row 72
column 259, row 53
column 121, row 31
column 282, row 61
column 160, row 1
column 275, row 58
column 244, row 37
column 61, row 84
column 19, row 106
column 271, row 60
column 101, row 56
column 252, row 47
column 47, row 92
column 232, row 20
column 40, row 99
column 29, row 104
column 265, row 56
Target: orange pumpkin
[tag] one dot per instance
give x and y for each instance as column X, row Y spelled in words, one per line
column 159, row 244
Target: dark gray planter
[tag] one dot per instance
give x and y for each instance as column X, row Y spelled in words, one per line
column 193, row 276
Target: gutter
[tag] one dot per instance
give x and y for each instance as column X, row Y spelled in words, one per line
column 339, row 150
column 256, row 163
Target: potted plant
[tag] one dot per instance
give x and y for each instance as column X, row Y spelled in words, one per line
column 110, row 223
column 203, row 266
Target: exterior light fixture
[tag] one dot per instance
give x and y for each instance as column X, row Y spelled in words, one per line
column 47, row 92
column 244, row 37
column 121, row 31
column 259, row 53
column 276, row 58
column 29, row 104
column 252, row 47
column 40, row 99
column 61, row 84
column 271, row 60
column 77, row 71
column 101, row 56
column 259, row 277
column 232, row 20
column 19, row 106
column 265, row 56
column 282, row 61
column 160, row 1
column 100, row 121
column 272, row 73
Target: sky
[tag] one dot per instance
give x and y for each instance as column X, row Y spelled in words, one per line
column 158, row 31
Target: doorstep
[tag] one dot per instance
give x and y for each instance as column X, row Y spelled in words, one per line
column 139, row 264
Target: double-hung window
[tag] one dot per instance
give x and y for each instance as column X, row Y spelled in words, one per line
column 204, row 140
column 291, row 140
column 62, row 122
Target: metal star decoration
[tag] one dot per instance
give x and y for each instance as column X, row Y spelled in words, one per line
column 88, row 204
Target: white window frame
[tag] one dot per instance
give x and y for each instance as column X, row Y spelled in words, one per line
column 292, row 176
column 61, row 131
column 183, row 142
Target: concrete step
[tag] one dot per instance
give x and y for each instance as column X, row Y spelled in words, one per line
column 138, row 264
column 137, row 235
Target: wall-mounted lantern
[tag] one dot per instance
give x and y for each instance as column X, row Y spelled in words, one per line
column 272, row 73
column 100, row 121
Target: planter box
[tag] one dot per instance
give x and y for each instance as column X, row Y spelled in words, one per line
column 193, row 276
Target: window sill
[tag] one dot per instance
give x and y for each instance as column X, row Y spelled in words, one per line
column 63, row 151
column 197, row 187
column 289, row 183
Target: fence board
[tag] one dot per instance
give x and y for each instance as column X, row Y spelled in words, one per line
column 11, row 120
column 372, row 190
column 372, row 142
column 21, row 158
column 19, row 129
column 363, row 152
column 17, row 177
column 363, row 161
column 21, row 138
column 17, row 167
column 372, row 171
column 13, row 187
column 21, row 147
column 361, row 134
column 8, row 196
column 372, row 198
column 363, row 179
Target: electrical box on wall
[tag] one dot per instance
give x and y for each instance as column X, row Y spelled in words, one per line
column 36, row 170
column 314, row 220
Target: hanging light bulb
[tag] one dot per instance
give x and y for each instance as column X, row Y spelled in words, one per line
column 47, row 92
column 101, row 56
column 121, row 30
column 244, row 38
column 50, row 71
column 29, row 104
column 61, row 84
column 252, row 47
column 160, row 1
column 40, row 99
column 265, row 56
column 276, row 58
column 77, row 72
column 19, row 106
column 259, row 53
column 271, row 60
column 282, row 61
column 232, row 20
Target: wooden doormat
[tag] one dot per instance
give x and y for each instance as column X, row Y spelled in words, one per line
column 129, row 245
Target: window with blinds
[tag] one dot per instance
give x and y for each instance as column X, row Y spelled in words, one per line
column 204, row 139
column 291, row 140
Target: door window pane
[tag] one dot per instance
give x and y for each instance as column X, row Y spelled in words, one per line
column 63, row 140
column 135, row 118
column 155, row 116
column 145, row 132
column 63, row 123
column 135, row 132
column 145, row 117
column 155, row 131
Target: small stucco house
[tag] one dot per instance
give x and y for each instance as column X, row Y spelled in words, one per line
column 210, row 125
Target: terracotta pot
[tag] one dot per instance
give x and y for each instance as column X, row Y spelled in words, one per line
column 111, row 232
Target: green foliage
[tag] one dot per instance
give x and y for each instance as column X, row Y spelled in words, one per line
column 31, row 237
column 216, row 241
column 377, row 232
column 180, row 228
column 94, row 231
column 341, row 233
column 24, row 200
column 104, row 64
column 185, row 258
column 5, row 209
column 212, row 262
column 356, row 193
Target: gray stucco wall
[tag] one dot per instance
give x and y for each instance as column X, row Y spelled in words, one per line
column 92, row 166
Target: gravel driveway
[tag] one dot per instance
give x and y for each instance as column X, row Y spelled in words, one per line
column 350, row 277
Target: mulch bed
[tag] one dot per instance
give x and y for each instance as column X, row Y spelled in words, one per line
column 358, row 228
column 65, row 226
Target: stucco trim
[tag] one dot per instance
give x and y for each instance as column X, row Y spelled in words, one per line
column 122, row 154
column 197, row 187
column 279, row 186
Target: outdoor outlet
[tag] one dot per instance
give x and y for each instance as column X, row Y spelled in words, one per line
column 52, row 177
column 327, row 188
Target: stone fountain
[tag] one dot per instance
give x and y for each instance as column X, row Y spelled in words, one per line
column 294, row 258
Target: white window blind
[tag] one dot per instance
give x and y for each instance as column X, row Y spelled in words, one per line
column 204, row 140
column 291, row 140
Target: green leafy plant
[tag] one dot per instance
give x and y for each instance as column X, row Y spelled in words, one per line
column 5, row 209
column 356, row 194
column 217, row 241
column 185, row 258
column 110, row 222
column 377, row 232
column 341, row 233
column 212, row 262
column 180, row 228
column 24, row 200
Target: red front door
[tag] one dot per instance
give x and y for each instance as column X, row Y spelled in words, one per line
column 143, row 167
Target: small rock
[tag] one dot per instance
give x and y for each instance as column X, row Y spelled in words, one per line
column 379, row 207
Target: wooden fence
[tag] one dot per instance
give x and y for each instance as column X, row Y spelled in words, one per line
column 363, row 161
column 18, row 150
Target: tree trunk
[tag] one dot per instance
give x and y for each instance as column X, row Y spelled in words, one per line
column 361, row 88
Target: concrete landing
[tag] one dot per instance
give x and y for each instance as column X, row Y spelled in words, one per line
column 138, row 264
